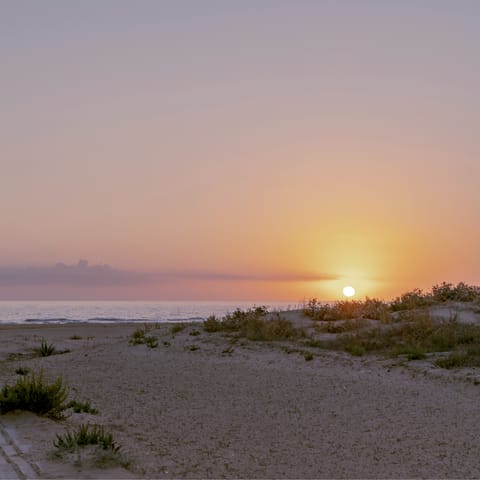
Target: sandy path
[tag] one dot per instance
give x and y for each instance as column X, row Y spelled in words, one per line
column 254, row 413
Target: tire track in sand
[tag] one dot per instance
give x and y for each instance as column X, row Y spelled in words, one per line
column 13, row 464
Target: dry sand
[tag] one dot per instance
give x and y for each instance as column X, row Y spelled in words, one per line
column 250, row 410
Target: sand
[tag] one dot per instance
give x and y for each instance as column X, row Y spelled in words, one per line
column 250, row 410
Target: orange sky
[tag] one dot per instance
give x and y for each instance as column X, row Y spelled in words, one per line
column 278, row 150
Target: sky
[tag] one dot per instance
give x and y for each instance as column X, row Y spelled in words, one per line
column 253, row 149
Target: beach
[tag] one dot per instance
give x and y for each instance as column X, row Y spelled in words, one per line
column 200, row 405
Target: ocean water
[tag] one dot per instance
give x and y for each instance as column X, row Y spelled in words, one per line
column 31, row 312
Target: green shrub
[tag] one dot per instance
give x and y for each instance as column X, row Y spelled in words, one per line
column 35, row 395
column 139, row 337
column 280, row 328
column 253, row 325
column 82, row 407
column 75, row 337
column 151, row 342
column 86, row 435
column 212, row 324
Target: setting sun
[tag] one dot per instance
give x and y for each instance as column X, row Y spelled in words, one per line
column 349, row 291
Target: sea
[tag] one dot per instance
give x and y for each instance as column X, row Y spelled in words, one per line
column 51, row 312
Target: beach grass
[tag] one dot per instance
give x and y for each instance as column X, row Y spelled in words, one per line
column 140, row 337
column 34, row 394
column 253, row 325
column 86, row 434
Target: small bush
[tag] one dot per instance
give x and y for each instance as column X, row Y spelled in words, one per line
column 82, row 407
column 86, row 435
column 75, row 337
column 35, row 395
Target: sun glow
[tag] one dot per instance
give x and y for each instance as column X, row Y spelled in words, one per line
column 348, row 291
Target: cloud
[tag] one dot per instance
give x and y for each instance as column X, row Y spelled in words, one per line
column 84, row 275
column 81, row 274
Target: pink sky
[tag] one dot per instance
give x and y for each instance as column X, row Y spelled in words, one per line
column 255, row 150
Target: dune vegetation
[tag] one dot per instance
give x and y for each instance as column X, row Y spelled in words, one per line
column 402, row 327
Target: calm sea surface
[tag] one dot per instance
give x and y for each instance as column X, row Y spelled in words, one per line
column 114, row 311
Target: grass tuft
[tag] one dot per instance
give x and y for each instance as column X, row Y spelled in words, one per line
column 84, row 435
column 82, row 407
column 45, row 349
column 140, row 337
column 35, row 395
